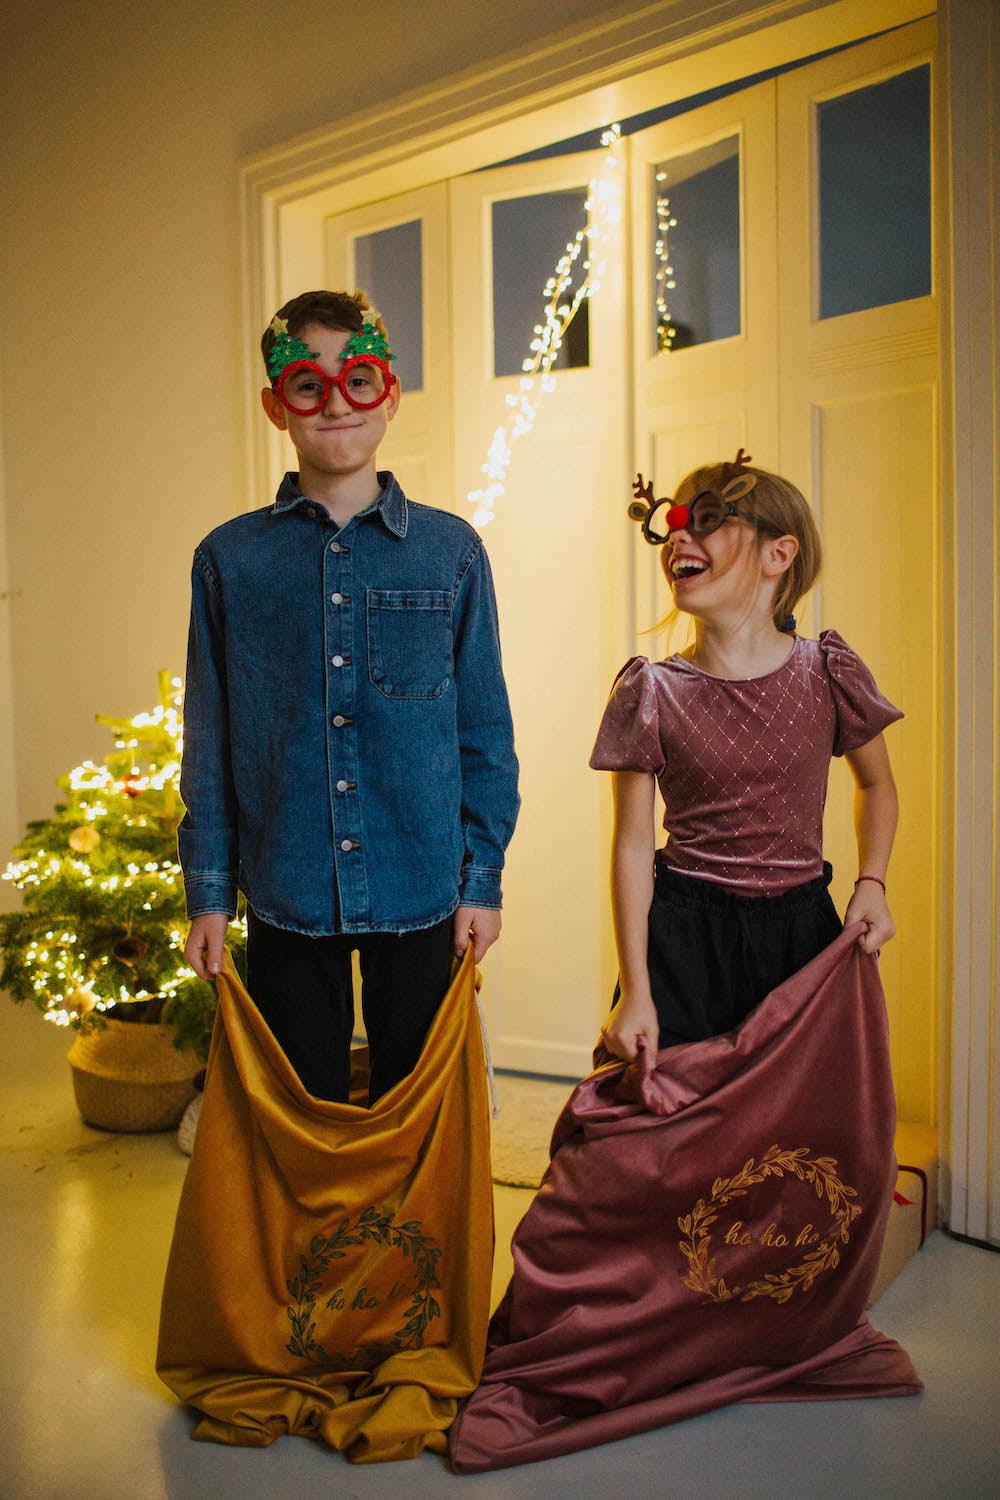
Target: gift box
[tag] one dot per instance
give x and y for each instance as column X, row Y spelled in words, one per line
column 914, row 1203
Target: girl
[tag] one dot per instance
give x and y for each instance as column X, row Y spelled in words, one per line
column 738, row 731
column 655, row 1277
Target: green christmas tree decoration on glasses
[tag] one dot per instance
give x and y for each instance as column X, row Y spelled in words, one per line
column 369, row 339
column 304, row 387
column 102, row 925
column 286, row 349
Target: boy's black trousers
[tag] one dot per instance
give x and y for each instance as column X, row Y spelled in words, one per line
column 302, row 987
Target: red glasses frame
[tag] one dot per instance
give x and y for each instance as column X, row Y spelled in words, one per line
column 329, row 381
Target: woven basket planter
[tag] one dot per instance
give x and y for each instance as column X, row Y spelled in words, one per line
column 129, row 1076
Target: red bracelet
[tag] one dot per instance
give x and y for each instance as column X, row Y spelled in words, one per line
column 870, row 877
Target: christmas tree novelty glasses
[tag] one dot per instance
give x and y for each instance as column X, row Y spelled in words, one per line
column 364, row 382
column 706, row 512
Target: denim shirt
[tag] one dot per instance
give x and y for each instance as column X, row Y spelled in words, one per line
column 348, row 750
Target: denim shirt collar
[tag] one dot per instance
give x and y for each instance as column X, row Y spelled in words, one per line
column 391, row 504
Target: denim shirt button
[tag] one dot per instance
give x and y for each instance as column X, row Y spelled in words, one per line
column 341, row 786
column 348, row 844
column 337, row 547
column 336, row 598
column 336, row 661
column 339, row 721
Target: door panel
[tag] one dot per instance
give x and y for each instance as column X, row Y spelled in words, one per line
column 557, row 548
column 397, row 251
column 859, row 415
column 715, row 389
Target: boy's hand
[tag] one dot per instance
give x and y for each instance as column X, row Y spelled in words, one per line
column 203, row 949
column 868, row 904
column 630, row 1022
column 481, row 924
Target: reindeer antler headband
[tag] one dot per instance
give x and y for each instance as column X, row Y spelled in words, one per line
column 737, row 481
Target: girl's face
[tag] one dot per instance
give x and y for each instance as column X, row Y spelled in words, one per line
column 714, row 572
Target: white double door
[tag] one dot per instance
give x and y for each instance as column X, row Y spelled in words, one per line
column 557, row 544
column 839, row 404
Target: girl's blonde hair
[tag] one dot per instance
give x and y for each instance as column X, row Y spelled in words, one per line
column 779, row 509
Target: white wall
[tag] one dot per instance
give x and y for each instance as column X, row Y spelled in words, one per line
column 971, row 54
column 9, row 823
column 119, row 266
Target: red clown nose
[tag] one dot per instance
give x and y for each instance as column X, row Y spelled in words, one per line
column 677, row 518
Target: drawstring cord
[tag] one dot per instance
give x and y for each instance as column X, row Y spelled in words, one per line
column 490, row 1075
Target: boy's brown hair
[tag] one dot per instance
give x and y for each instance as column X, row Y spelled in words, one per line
column 341, row 311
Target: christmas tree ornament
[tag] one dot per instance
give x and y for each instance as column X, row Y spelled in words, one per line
column 82, row 1001
column 85, row 839
column 129, row 950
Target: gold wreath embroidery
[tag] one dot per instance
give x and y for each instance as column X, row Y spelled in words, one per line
column 821, row 1172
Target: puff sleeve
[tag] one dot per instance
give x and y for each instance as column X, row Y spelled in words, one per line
column 862, row 711
column 629, row 736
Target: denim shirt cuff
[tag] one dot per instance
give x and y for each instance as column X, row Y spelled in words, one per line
column 480, row 886
column 209, row 893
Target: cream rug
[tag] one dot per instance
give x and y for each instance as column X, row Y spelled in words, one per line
column 529, row 1108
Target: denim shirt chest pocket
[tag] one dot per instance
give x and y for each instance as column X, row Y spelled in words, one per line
column 410, row 641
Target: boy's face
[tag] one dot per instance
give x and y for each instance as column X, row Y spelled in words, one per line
column 339, row 439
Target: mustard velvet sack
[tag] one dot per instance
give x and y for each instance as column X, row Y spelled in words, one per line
column 330, row 1267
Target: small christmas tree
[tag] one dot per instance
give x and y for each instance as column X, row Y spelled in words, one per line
column 103, row 922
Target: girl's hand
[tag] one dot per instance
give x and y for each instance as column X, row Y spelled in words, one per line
column 868, row 904
column 630, row 1021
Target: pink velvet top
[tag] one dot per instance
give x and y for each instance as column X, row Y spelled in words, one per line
column 743, row 765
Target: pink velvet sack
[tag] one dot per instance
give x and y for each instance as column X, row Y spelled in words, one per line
column 708, row 1231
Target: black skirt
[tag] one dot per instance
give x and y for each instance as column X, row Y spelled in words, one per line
column 713, row 954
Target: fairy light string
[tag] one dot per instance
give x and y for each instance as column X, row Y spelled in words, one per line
column 665, row 278
column 562, row 302
column 561, row 305
column 102, row 919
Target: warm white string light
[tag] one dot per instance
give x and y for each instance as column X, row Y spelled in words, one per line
column 58, row 975
column 603, row 206
column 665, row 330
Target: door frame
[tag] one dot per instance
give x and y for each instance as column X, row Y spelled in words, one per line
column 638, row 57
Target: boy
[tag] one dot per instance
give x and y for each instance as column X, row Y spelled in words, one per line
column 348, row 759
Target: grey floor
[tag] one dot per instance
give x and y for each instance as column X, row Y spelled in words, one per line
column 83, row 1243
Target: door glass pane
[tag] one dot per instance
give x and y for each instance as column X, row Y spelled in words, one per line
column 529, row 236
column 875, row 194
column 696, row 249
column 387, row 265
